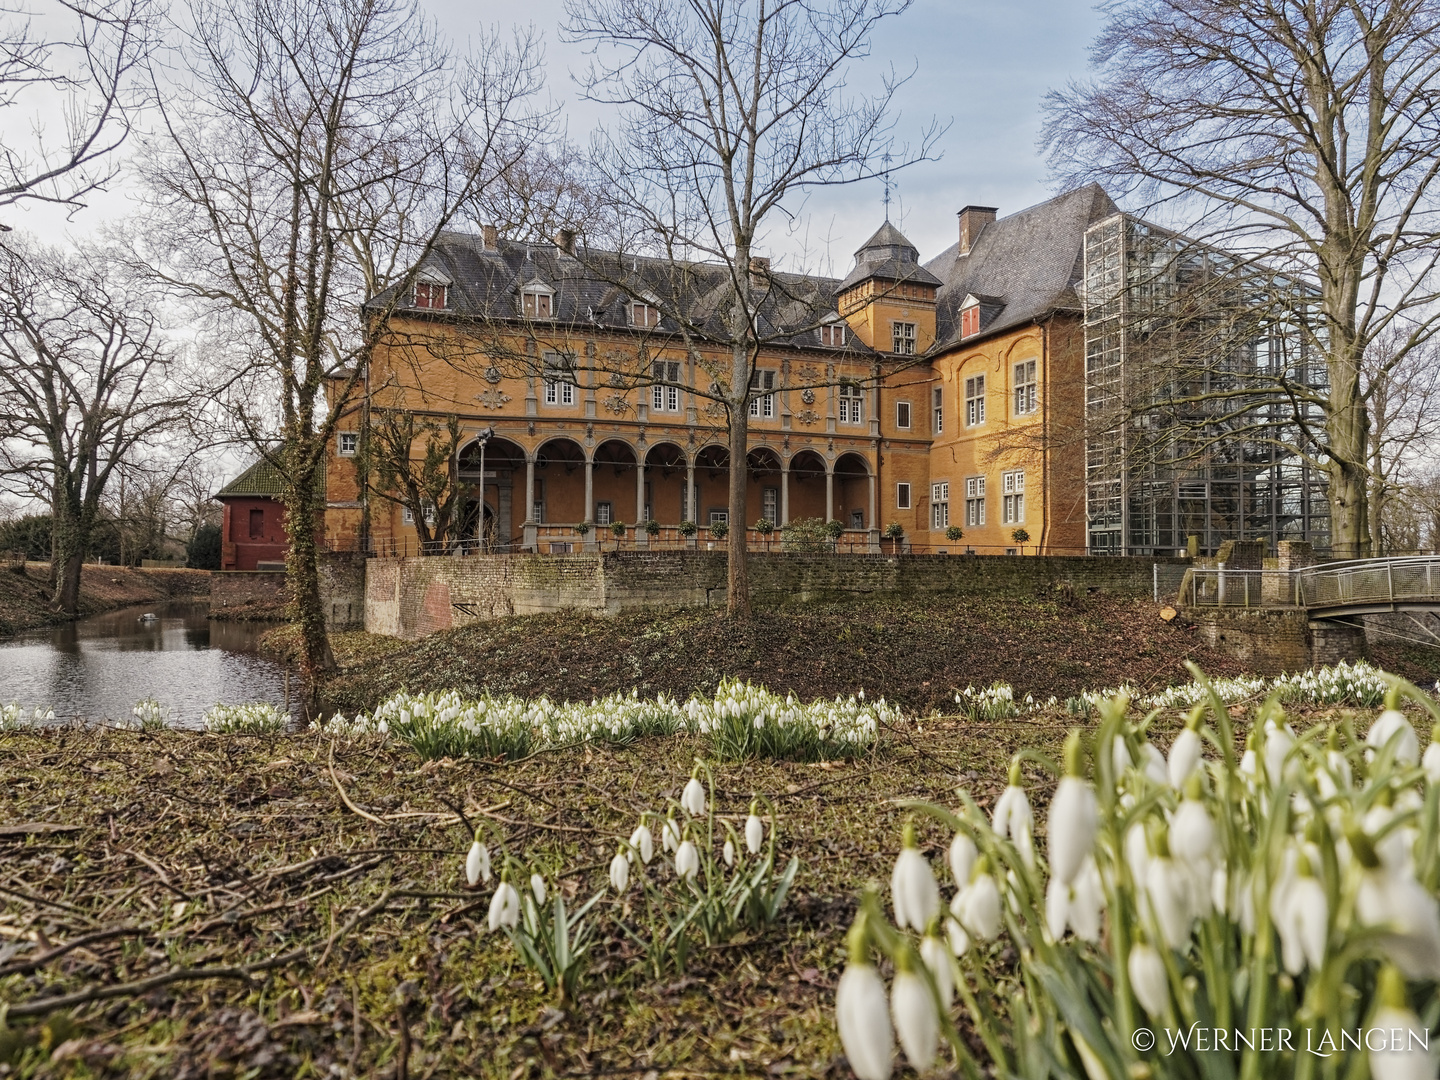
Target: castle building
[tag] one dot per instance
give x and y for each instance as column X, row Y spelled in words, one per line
column 948, row 397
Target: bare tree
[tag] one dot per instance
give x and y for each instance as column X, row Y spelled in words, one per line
column 314, row 150
column 427, row 486
column 1404, row 404
column 1303, row 134
column 730, row 111
column 86, row 381
column 89, row 79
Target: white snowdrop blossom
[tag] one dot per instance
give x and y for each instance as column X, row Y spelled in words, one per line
column 537, row 888
column 620, row 872
column 643, row 842
column 913, row 889
column 862, row 1015
column 754, row 833
column 687, row 861
column 1074, row 818
column 504, row 907
column 933, row 954
column 962, row 856
column 477, row 864
column 728, row 853
column 692, row 799
column 915, row 1021
column 1184, row 758
column 1392, row 725
column 1148, row 979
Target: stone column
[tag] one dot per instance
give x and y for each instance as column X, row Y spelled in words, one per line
column 784, row 495
column 874, row 522
column 589, row 491
column 829, row 494
column 692, row 513
column 531, row 540
column 641, row 536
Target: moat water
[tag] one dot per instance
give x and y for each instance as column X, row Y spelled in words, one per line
column 97, row 668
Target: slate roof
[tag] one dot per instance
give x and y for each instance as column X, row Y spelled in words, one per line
column 595, row 287
column 888, row 256
column 260, row 480
column 1020, row 267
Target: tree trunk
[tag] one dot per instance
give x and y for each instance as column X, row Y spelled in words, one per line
column 1347, row 433
column 738, row 577
column 302, row 572
column 68, row 541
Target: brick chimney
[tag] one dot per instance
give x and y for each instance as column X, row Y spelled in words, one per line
column 491, row 236
column 759, row 271
column 973, row 219
column 565, row 241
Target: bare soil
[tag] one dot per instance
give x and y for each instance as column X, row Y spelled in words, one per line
column 25, row 598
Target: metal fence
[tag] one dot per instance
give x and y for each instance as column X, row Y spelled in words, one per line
column 1359, row 585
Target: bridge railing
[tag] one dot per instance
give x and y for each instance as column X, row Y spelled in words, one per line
column 1370, row 581
column 1239, row 588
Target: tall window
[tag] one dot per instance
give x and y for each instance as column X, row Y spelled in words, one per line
column 940, row 504
column 429, row 294
column 559, row 380
column 902, row 414
column 665, row 398
column 537, row 303
column 852, row 404
column 770, row 504
column 1026, row 399
column 903, row 338
column 604, row 513
column 937, row 397
column 1012, row 492
column 257, row 524
column 969, row 320
column 974, row 400
column 832, row 334
column 902, row 496
column 761, row 384
column 642, row 314
column 975, row 500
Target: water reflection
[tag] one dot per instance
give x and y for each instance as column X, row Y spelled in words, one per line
column 98, row 667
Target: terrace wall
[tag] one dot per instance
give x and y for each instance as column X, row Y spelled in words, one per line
column 413, row 597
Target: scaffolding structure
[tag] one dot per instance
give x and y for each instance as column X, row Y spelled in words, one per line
column 1194, row 431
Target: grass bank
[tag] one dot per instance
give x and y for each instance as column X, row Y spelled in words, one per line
column 916, row 655
column 25, row 598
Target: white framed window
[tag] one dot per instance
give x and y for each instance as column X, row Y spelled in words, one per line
column 937, row 399
column 604, row 513
column 969, row 320
column 1027, row 399
column 559, row 380
column 975, row 500
column 851, row 404
column 902, row 415
column 833, row 334
column 644, row 315
column 537, row 303
column 719, row 517
column 974, row 400
column 1012, row 493
column 429, row 295
column 761, row 384
column 770, row 505
column 902, row 496
column 537, row 510
column 349, row 443
column 940, row 504
column 408, row 516
column 665, row 398
column 902, row 336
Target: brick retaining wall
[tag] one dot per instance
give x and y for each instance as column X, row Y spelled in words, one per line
column 261, row 594
column 412, row 597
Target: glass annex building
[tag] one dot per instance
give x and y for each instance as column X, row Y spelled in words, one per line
column 1198, row 367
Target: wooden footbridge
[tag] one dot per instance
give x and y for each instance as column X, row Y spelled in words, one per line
column 1335, row 590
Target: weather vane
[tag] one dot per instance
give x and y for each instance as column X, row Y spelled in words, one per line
column 885, row 179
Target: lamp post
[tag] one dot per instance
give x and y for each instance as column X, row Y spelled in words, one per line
column 482, row 436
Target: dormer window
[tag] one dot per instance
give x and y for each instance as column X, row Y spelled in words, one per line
column 643, row 314
column 429, row 295
column 833, row 334
column 970, row 320
column 537, row 302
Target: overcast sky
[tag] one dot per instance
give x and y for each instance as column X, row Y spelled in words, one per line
column 982, row 67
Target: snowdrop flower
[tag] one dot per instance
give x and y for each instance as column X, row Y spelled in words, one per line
column 954, row 931
column 962, row 856
column 1148, row 979
column 1167, row 892
column 1184, row 754
column 913, row 1010
column 1078, row 906
column 1153, row 763
column 505, row 907
column 670, row 835
column 537, row 887
column 754, row 832
column 477, row 864
column 862, row 1013
column 1137, row 851
column 1249, row 761
column 1192, row 832
column 1391, row 724
column 692, row 799
column 687, row 861
column 1074, row 817
column 728, row 853
column 1304, row 925
column 933, row 953
column 1013, row 817
column 1279, row 741
column 913, row 890
column 620, row 872
column 1431, row 761
column 643, row 842
column 1407, row 912
column 978, row 904
column 1403, row 1053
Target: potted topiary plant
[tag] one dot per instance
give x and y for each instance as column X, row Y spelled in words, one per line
column 617, row 530
column 719, row 530
column 1021, row 537
column 652, row 528
column 688, row 530
column 834, row 530
column 582, row 527
column 765, row 527
column 953, row 533
column 895, row 533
